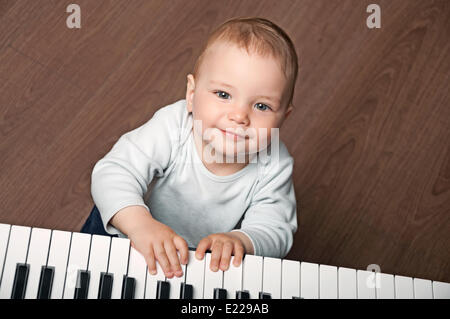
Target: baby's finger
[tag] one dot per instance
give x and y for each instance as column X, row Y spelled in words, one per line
column 161, row 256
column 216, row 253
column 226, row 255
column 151, row 262
column 173, row 258
column 202, row 246
column 183, row 248
column 238, row 254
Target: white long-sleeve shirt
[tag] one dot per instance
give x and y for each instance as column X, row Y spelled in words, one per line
column 160, row 157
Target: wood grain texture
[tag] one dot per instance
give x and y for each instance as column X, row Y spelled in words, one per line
column 370, row 131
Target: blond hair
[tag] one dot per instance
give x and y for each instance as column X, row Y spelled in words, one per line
column 261, row 36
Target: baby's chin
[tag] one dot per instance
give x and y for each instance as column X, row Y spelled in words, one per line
column 218, row 145
column 214, row 155
column 229, row 151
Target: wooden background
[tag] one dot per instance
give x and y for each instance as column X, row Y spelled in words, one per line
column 370, row 132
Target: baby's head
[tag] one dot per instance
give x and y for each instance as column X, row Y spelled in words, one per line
column 243, row 82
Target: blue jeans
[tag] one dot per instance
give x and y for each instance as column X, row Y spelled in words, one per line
column 94, row 224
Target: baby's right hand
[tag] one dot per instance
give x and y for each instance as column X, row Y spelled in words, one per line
column 158, row 242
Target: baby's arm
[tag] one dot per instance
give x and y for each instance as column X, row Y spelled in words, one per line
column 154, row 240
column 271, row 220
column 121, row 178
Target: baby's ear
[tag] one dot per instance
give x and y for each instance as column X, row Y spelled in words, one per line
column 190, row 82
column 190, row 88
column 288, row 111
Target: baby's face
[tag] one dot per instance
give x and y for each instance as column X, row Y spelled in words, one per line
column 240, row 93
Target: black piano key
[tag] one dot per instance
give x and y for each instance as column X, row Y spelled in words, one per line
column 45, row 282
column 295, row 297
column 82, row 287
column 242, row 294
column 20, row 281
column 220, row 293
column 128, row 286
column 264, row 295
column 163, row 290
column 105, row 287
column 186, row 291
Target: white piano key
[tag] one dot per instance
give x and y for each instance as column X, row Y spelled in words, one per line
column 290, row 279
column 441, row 290
column 78, row 260
column 37, row 257
column 213, row 279
column 232, row 279
column 309, row 280
column 4, row 235
column 347, row 283
column 404, row 287
column 58, row 258
column 386, row 288
column 175, row 283
column 252, row 270
column 16, row 253
column 152, row 281
column 118, row 264
column 272, row 277
column 137, row 268
column 423, row 289
column 98, row 262
column 366, row 284
column 328, row 288
column 195, row 272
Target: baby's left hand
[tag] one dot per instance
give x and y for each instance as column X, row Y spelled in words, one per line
column 222, row 246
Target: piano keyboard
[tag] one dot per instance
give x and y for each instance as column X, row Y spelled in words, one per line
column 39, row 263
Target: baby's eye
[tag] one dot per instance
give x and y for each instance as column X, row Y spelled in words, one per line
column 265, row 107
column 222, row 94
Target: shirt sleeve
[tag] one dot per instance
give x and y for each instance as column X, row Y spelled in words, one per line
column 271, row 220
column 121, row 178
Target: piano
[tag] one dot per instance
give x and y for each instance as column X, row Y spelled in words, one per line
column 37, row 263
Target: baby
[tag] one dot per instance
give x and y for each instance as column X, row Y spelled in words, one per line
column 205, row 172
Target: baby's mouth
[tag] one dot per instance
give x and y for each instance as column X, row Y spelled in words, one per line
column 233, row 135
